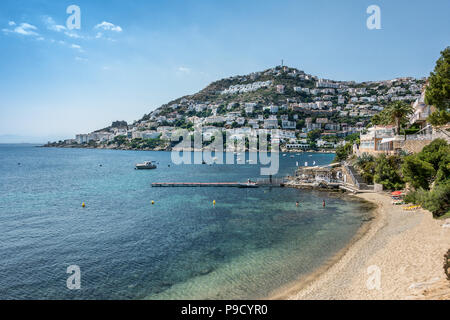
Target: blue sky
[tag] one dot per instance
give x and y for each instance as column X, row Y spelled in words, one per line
column 129, row 57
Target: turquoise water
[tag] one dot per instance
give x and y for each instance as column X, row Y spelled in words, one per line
column 182, row 247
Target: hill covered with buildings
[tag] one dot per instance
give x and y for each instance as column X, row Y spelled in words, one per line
column 307, row 112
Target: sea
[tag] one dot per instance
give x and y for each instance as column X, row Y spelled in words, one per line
column 135, row 241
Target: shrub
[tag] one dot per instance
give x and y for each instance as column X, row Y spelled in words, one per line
column 366, row 164
column 435, row 153
column 417, row 172
column 387, row 172
column 437, row 200
column 342, row 152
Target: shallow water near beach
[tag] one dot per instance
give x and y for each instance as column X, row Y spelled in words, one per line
column 250, row 243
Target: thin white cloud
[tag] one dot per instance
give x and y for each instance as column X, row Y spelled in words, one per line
column 108, row 26
column 11, row 23
column 77, row 47
column 72, row 35
column 58, row 28
column 25, row 29
column 81, row 59
column 51, row 24
column 184, row 69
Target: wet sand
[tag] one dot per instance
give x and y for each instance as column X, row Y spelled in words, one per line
column 405, row 248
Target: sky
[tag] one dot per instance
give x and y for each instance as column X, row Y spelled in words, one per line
column 130, row 57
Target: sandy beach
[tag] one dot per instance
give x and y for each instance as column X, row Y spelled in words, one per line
column 405, row 248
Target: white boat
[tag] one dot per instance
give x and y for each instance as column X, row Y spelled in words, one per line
column 248, row 185
column 146, row 165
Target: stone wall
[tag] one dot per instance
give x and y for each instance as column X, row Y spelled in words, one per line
column 377, row 187
column 414, row 146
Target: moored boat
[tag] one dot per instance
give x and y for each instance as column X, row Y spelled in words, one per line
column 146, row 165
column 248, row 185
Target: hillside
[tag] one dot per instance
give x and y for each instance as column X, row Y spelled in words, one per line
column 312, row 112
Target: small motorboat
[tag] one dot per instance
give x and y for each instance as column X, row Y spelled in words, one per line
column 248, row 185
column 146, row 165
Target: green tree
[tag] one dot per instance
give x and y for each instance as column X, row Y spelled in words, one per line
column 300, row 124
column 313, row 135
column 387, row 172
column 438, row 90
column 436, row 153
column 439, row 118
column 437, row 200
column 417, row 172
column 443, row 173
column 353, row 138
column 396, row 113
column 119, row 140
column 342, row 152
column 366, row 164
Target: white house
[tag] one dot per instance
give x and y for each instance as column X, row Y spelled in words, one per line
column 286, row 124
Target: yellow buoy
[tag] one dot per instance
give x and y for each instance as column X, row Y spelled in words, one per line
column 214, row 202
column 83, row 205
column 153, row 202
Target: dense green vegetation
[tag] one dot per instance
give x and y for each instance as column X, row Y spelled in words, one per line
column 138, row 143
column 438, row 90
column 428, row 172
column 120, row 140
column 427, row 175
column 385, row 170
column 343, row 152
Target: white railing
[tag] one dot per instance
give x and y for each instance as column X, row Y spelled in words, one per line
column 354, row 181
column 419, row 136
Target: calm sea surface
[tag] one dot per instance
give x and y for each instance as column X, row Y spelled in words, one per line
column 182, row 247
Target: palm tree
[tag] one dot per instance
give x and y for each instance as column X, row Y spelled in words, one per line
column 397, row 113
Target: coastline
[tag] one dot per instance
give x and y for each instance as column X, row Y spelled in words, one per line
column 407, row 246
column 170, row 149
